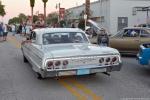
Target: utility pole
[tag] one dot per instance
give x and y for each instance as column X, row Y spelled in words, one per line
column 58, row 6
column 87, row 8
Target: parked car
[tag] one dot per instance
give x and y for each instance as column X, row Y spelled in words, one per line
column 144, row 25
column 67, row 51
column 129, row 39
column 144, row 54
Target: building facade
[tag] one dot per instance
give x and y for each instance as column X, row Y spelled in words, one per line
column 113, row 14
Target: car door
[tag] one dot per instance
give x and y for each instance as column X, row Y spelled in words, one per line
column 126, row 42
column 115, row 40
column 145, row 36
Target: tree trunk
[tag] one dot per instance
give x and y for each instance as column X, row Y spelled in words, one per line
column 31, row 15
column 44, row 13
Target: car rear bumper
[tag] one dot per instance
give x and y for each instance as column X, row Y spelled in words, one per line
column 141, row 60
column 84, row 71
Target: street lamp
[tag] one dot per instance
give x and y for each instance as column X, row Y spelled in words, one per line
column 85, row 19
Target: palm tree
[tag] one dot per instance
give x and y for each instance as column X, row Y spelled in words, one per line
column 2, row 9
column 32, row 2
column 44, row 1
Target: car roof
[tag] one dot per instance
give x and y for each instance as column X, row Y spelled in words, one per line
column 53, row 30
column 137, row 28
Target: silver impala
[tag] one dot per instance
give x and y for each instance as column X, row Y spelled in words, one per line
column 67, row 51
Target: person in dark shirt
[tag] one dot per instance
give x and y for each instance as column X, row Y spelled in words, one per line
column 103, row 39
column 1, row 32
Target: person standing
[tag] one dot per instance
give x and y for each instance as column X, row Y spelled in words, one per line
column 103, row 39
column 13, row 28
column 1, row 32
column 5, row 32
column 20, row 29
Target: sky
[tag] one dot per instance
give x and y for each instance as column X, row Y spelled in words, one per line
column 14, row 7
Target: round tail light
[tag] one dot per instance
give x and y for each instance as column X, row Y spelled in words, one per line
column 114, row 59
column 50, row 65
column 57, row 63
column 108, row 59
column 65, row 62
column 101, row 60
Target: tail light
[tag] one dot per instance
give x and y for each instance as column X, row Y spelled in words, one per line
column 108, row 60
column 101, row 60
column 57, row 63
column 65, row 62
column 50, row 64
column 114, row 59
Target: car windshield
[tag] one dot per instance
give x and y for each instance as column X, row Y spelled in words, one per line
column 64, row 37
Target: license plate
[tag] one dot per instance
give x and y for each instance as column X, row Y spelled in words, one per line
column 83, row 71
column 98, row 70
column 67, row 73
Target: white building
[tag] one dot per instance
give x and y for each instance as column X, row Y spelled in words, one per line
column 114, row 14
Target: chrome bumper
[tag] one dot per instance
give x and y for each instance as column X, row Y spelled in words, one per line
column 84, row 71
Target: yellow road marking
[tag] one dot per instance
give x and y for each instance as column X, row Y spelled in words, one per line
column 70, row 88
column 85, row 90
column 14, row 41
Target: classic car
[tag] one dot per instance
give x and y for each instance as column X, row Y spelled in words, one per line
column 129, row 39
column 144, row 54
column 56, row 52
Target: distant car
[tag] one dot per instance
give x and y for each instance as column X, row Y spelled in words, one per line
column 144, row 54
column 144, row 25
column 129, row 39
column 67, row 51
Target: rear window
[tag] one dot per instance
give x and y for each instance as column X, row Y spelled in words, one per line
column 64, row 37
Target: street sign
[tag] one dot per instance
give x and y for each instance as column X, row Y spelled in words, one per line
column 61, row 13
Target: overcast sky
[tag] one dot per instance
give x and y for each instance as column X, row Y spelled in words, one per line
column 14, row 7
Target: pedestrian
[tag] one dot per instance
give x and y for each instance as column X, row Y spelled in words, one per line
column 28, row 30
column 5, row 32
column 13, row 28
column 23, row 30
column 103, row 39
column 20, row 29
column 1, row 31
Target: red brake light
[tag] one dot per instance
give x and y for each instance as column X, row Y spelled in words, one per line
column 108, row 59
column 57, row 63
column 101, row 60
column 114, row 59
column 65, row 62
column 50, row 64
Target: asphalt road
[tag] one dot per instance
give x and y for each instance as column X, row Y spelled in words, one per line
column 18, row 81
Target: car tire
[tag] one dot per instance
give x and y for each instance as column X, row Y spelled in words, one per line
column 25, row 59
column 39, row 76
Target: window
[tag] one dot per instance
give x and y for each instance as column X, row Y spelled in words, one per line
column 64, row 37
column 119, row 34
column 131, row 33
column 145, row 33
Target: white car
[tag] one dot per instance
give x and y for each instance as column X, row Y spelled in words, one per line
column 67, row 51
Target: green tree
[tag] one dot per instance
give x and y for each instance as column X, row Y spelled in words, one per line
column 52, row 18
column 22, row 17
column 35, row 18
column 81, row 24
column 14, row 20
column 32, row 3
column 2, row 10
column 45, row 1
